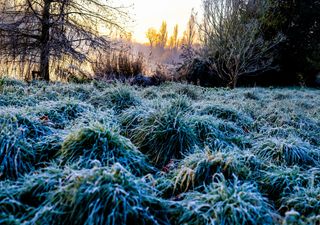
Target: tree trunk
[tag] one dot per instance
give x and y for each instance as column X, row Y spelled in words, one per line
column 44, row 42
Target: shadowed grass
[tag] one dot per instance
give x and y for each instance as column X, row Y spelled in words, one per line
column 305, row 200
column 59, row 114
column 279, row 181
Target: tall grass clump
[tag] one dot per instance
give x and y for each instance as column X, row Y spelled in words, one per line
column 101, row 143
column 227, row 202
column 104, row 196
column 206, row 128
column 23, row 198
column 199, row 168
column 277, row 182
column 227, row 114
column 290, row 151
column 165, row 133
column 119, row 97
column 304, row 200
column 60, row 114
column 18, row 135
column 17, row 156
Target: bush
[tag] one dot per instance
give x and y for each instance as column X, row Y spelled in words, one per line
column 105, row 145
column 227, row 202
column 197, row 70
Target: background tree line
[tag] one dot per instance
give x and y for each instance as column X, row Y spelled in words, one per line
column 256, row 42
column 42, row 35
column 236, row 42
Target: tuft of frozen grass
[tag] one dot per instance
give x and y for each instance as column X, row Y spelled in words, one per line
column 21, row 200
column 304, row 200
column 18, row 135
column 119, row 98
column 164, row 133
column 60, row 114
column 199, row 168
column 101, row 143
column 290, row 151
column 227, row 114
column 189, row 91
column 103, row 196
column 279, row 181
column 227, row 202
column 17, row 156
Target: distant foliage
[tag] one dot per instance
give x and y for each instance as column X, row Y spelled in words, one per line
column 119, row 65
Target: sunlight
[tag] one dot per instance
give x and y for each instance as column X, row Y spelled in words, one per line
column 150, row 13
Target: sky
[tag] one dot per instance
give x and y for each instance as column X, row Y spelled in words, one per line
column 151, row 13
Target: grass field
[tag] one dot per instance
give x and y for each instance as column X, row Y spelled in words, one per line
column 175, row 154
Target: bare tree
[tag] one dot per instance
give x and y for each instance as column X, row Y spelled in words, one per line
column 41, row 31
column 231, row 34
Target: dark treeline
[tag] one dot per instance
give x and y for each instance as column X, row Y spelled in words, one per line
column 256, row 43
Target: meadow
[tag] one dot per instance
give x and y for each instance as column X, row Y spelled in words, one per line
column 110, row 153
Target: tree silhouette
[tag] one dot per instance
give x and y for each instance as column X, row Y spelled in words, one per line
column 41, row 31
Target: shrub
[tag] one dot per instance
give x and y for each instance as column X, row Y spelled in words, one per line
column 196, row 69
column 105, row 145
column 227, row 202
column 120, row 65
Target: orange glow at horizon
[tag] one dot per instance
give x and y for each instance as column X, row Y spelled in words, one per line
column 151, row 13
